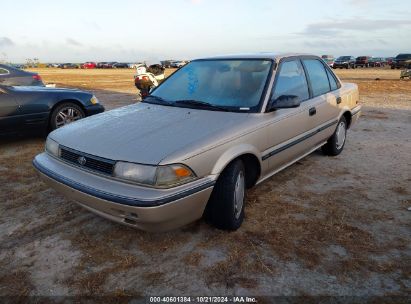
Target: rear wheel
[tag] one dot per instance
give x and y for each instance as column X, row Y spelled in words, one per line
column 225, row 209
column 64, row 114
column 336, row 142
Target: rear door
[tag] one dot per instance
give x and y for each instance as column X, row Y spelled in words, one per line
column 324, row 105
column 9, row 112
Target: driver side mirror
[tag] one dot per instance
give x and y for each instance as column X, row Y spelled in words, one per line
column 284, row 102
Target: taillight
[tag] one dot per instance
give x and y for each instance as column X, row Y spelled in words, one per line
column 37, row 77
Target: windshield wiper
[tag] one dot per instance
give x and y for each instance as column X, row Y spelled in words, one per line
column 158, row 100
column 202, row 104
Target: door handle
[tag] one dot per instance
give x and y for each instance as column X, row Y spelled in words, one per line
column 339, row 100
column 312, row 111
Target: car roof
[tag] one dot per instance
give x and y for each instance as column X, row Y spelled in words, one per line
column 15, row 70
column 9, row 67
column 262, row 55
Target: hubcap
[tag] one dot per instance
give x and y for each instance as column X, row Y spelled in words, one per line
column 239, row 195
column 341, row 132
column 67, row 115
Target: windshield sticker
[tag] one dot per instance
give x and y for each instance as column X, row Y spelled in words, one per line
column 192, row 84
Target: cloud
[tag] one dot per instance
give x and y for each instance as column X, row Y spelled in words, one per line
column 5, row 41
column 359, row 2
column 92, row 25
column 73, row 42
column 333, row 28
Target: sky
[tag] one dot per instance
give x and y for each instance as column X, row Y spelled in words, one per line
column 134, row 30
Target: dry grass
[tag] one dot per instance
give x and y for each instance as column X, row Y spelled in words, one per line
column 302, row 232
column 96, row 253
column 16, row 283
column 193, row 259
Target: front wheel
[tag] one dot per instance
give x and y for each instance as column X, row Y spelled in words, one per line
column 336, row 142
column 225, row 209
column 64, row 114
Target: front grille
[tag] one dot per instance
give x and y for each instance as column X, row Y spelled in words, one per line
column 91, row 162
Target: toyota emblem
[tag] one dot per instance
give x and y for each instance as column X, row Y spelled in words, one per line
column 81, row 160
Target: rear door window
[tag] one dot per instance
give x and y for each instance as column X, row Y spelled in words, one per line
column 317, row 76
column 3, row 71
column 333, row 82
column 291, row 81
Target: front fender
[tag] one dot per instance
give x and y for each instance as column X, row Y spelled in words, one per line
column 233, row 153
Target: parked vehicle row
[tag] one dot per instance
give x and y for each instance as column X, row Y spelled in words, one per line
column 173, row 63
column 93, row 65
column 351, row 62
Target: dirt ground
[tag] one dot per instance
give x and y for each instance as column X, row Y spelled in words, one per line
column 324, row 226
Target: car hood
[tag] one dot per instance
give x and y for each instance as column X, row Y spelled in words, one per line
column 145, row 133
column 42, row 89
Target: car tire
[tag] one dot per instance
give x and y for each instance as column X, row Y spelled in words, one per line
column 57, row 119
column 336, row 142
column 225, row 209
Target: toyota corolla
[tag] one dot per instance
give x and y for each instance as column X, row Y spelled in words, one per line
column 191, row 149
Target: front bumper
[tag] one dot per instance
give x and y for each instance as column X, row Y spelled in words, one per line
column 340, row 65
column 94, row 109
column 148, row 209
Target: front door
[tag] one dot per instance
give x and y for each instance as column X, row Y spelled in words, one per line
column 289, row 126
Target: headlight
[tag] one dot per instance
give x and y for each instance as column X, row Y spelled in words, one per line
column 134, row 172
column 155, row 176
column 94, row 100
column 52, row 147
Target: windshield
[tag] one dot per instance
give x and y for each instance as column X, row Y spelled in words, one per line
column 344, row 58
column 234, row 85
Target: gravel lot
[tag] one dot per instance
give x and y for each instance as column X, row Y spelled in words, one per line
column 324, row 226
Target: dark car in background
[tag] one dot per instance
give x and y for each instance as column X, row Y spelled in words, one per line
column 11, row 76
column 400, row 61
column 120, row 65
column 68, row 66
column 344, row 62
column 362, row 61
column 107, row 65
column 166, row 63
column 377, row 62
column 42, row 109
column 100, row 64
